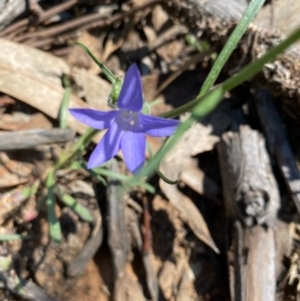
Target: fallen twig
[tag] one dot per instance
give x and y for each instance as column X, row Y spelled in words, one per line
column 90, row 21
column 33, row 138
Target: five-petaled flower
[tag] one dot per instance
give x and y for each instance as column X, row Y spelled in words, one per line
column 127, row 126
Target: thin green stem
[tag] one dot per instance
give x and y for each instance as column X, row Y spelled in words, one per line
column 110, row 76
column 230, row 45
column 82, row 142
column 246, row 73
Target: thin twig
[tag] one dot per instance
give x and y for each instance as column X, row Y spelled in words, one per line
column 42, row 16
column 85, row 22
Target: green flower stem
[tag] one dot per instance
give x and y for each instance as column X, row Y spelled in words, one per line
column 160, row 174
column 109, row 75
column 246, row 73
column 210, row 100
column 82, row 142
column 230, row 45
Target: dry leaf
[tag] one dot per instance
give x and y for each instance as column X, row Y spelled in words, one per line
column 10, row 201
column 187, row 290
column 13, row 172
column 95, row 89
column 14, row 121
column 111, row 47
column 150, row 34
column 167, row 279
column 189, row 213
column 37, row 121
column 126, row 289
column 179, row 160
column 159, row 17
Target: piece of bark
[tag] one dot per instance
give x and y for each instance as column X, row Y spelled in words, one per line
column 251, row 200
column 278, row 143
column 33, row 138
column 10, row 10
column 118, row 236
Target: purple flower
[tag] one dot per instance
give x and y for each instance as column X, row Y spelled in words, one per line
column 126, row 127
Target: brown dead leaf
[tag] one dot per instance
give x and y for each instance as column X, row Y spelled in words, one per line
column 167, row 279
column 126, row 289
column 36, row 121
column 21, row 121
column 179, row 160
column 189, row 213
column 199, row 182
column 159, row 17
column 187, row 290
column 6, row 100
column 9, row 201
column 79, row 186
column 13, row 172
column 170, row 50
column 95, row 89
column 150, row 34
column 111, row 47
column 11, row 122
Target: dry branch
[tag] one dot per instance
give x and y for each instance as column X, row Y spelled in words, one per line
column 251, row 201
column 33, row 138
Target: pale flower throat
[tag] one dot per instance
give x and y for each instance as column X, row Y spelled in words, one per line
column 128, row 120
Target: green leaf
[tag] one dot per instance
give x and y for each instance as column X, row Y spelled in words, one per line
column 110, row 76
column 6, row 237
column 197, row 45
column 54, row 225
column 27, row 192
column 79, row 209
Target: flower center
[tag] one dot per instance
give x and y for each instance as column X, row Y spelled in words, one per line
column 129, row 120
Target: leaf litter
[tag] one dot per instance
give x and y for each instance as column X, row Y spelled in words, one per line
column 104, row 258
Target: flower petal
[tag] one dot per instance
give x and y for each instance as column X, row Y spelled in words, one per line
column 133, row 146
column 131, row 96
column 107, row 147
column 95, row 119
column 158, row 127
